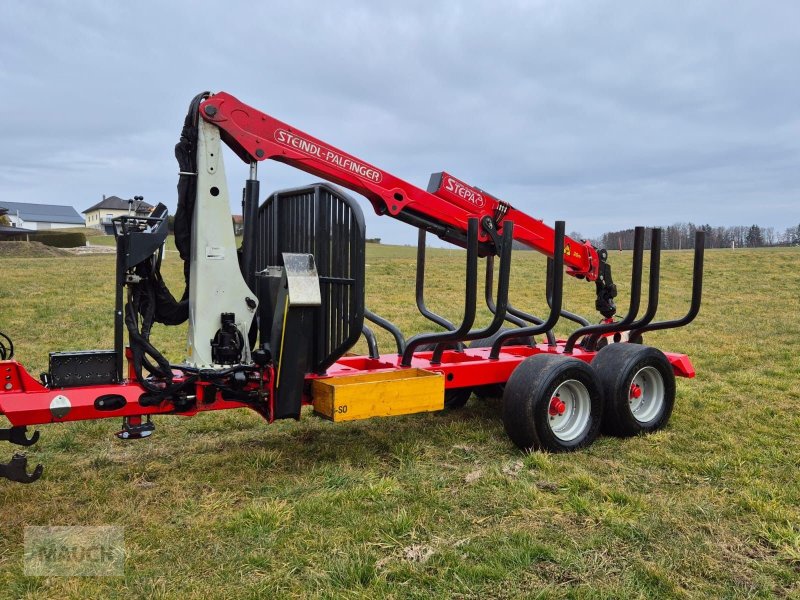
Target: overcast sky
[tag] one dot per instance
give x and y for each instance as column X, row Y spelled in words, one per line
column 604, row 114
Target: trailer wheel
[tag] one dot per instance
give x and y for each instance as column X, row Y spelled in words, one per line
column 639, row 387
column 457, row 397
column 552, row 402
column 495, row 390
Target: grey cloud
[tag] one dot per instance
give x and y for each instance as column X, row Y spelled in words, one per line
column 604, row 114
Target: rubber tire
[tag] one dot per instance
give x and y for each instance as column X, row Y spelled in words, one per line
column 455, row 398
column 616, row 365
column 495, row 390
column 526, row 402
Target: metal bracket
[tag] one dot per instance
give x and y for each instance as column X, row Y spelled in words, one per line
column 302, row 279
column 133, row 428
column 490, row 227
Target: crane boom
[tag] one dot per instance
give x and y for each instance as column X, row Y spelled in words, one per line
column 444, row 208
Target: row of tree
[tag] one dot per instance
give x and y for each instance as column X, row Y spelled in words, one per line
column 682, row 235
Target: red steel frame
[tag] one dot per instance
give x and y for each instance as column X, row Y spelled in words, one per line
column 255, row 136
column 25, row 401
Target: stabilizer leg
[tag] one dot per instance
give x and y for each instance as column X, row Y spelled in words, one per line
column 17, row 470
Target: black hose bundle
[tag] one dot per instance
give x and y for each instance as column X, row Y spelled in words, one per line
column 7, row 348
column 150, row 301
column 165, row 309
column 149, row 297
column 186, row 155
column 141, row 302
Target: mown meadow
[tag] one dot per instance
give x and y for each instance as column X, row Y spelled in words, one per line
column 438, row 505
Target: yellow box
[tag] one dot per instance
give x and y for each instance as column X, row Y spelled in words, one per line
column 402, row 392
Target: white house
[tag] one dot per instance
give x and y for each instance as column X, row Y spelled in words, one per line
column 99, row 216
column 41, row 216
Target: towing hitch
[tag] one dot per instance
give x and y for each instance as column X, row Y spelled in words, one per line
column 17, row 470
column 18, row 435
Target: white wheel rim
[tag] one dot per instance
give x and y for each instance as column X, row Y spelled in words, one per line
column 646, row 394
column 572, row 419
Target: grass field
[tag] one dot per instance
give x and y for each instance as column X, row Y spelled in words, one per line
column 435, row 505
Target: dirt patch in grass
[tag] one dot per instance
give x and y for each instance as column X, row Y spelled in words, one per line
column 87, row 231
column 30, row 250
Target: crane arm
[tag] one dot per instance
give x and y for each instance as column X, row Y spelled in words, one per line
column 445, row 208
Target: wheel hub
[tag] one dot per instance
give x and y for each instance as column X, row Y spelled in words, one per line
column 557, row 406
column 569, row 410
column 646, row 396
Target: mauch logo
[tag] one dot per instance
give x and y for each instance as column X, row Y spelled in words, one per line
column 74, row 551
column 337, row 159
column 454, row 186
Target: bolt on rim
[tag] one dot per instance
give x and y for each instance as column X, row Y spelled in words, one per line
column 569, row 413
column 646, row 395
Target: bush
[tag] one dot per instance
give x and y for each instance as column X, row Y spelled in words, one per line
column 61, row 240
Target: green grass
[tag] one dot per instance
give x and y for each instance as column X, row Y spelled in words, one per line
column 435, row 505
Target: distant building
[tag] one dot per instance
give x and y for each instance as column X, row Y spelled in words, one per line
column 7, row 232
column 99, row 216
column 15, row 234
column 38, row 217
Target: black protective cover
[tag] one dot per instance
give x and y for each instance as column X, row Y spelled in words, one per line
column 323, row 221
column 90, row 367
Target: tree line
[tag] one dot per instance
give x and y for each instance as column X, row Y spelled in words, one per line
column 681, row 235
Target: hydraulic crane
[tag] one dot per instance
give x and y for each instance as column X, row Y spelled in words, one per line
column 271, row 322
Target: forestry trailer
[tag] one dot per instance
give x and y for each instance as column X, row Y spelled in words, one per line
column 271, row 323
